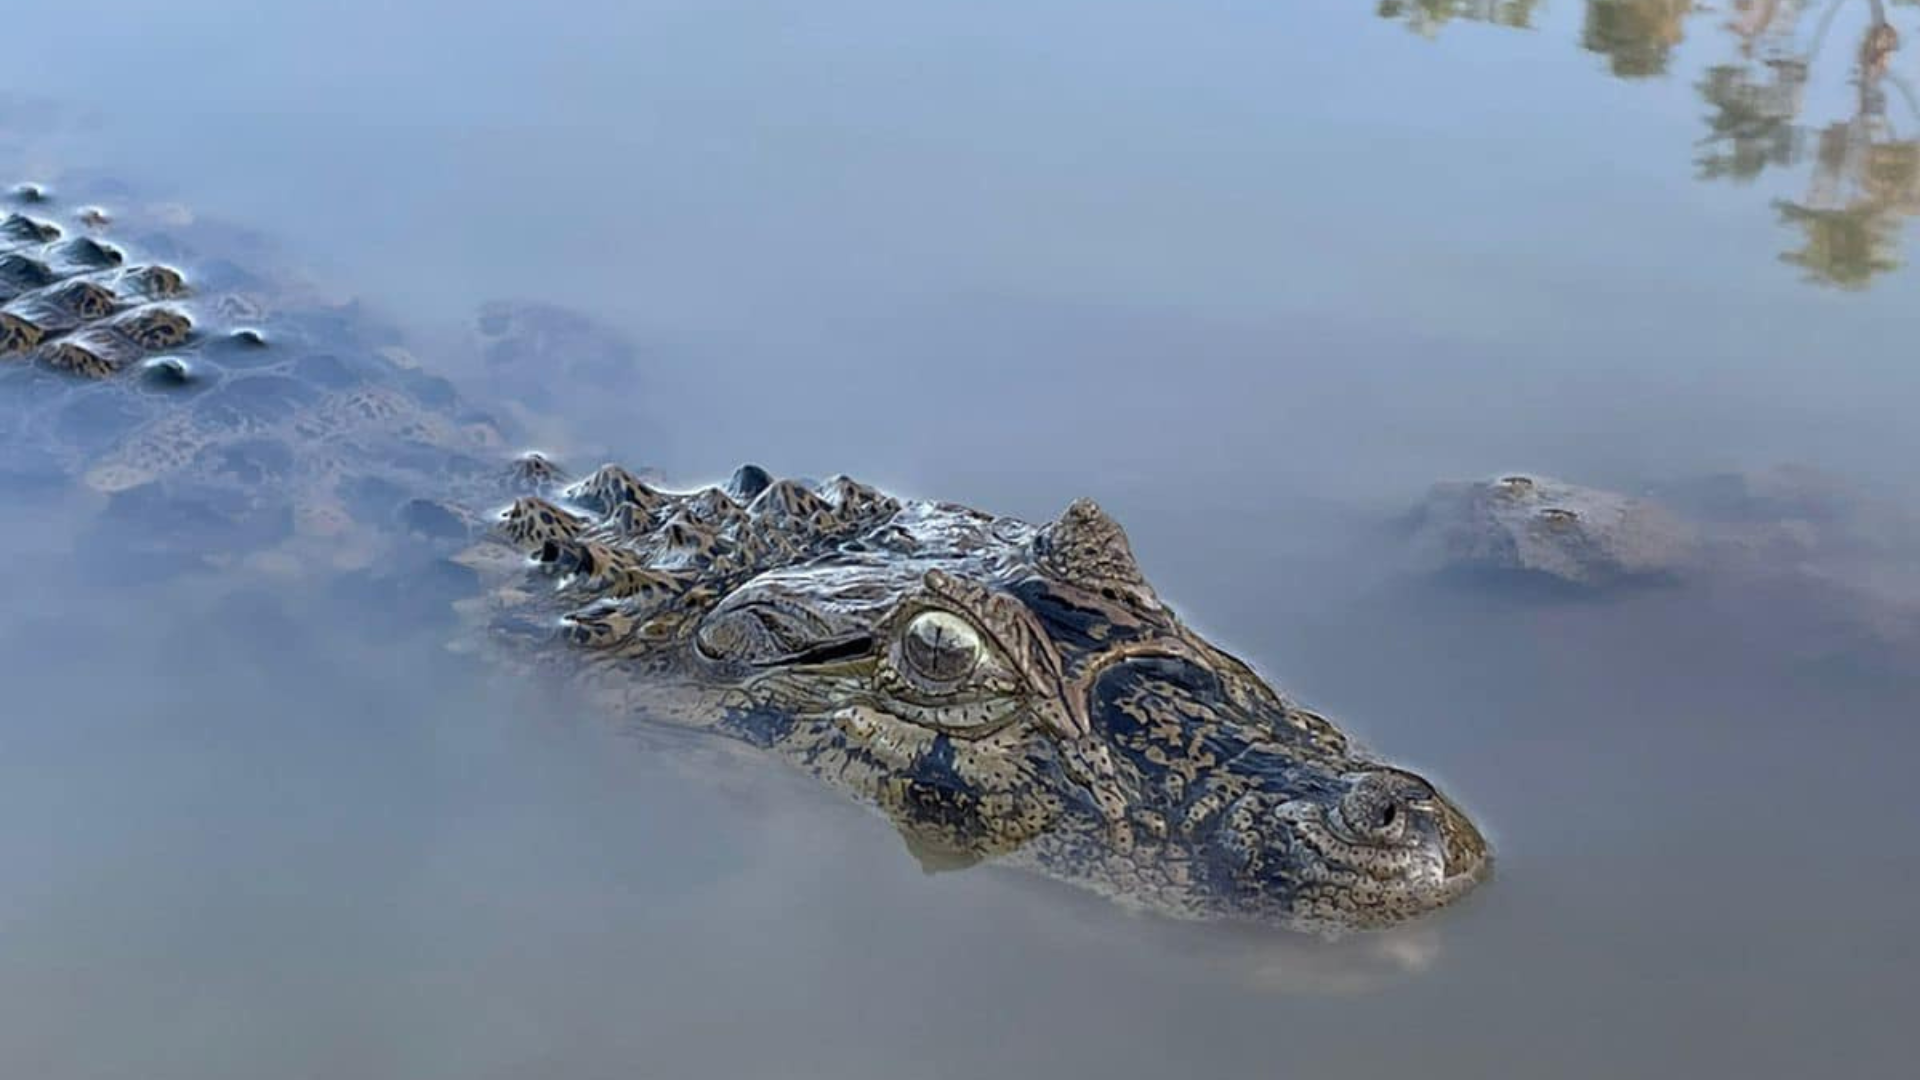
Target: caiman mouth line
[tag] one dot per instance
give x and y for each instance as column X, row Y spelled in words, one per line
column 830, row 652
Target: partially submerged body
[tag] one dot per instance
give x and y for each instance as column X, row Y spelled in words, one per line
column 1787, row 516
column 1535, row 525
column 999, row 690
column 1786, row 526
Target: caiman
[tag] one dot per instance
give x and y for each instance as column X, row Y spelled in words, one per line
column 1001, row 691
column 1593, row 540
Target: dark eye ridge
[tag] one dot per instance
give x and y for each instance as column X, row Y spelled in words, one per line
column 940, row 646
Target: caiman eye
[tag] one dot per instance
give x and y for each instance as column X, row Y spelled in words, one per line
column 940, row 647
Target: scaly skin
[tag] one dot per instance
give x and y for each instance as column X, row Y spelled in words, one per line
column 1001, row 691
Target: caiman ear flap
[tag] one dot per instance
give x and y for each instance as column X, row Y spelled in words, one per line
column 1086, row 546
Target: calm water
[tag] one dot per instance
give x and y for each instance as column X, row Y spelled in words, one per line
column 1251, row 273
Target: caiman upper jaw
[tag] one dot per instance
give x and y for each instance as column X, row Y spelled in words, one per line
column 1290, row 824
column 1387, row 849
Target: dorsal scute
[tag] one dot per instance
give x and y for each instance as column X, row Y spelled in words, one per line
column 683, row 545
column 711, row 508
column 20, row 273
column 1084, row 545
column 19, row 332
column 787, row 500
column 627, row 523
column 21, row 229
column 627, row 559
column 104, row 349
column 748, row 481
column 152, row 282
column 530, row 522
column 65, row 306
column 853, row 500
column 612, row 487
column 535, row 473
column 84, row 253
column 61, row 306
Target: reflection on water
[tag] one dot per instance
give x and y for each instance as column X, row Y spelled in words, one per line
column 1865, row 177
column 1861, row 177
column 1428, row 17
column 1636, row 36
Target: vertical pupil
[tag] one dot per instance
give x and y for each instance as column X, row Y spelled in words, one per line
column 940, row 650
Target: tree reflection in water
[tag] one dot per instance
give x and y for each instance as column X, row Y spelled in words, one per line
column 1863, row 175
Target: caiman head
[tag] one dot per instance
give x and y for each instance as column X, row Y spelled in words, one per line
column 999, row 690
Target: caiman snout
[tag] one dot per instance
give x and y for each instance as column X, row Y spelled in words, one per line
column 1386, row 848
column 1365, row 848
column 1292, row 825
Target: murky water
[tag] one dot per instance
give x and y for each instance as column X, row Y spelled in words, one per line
column 1251, row 273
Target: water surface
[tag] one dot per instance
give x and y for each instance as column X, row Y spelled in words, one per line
column 1252, row 274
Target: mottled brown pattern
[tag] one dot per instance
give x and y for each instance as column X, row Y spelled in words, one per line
column 1066, row 722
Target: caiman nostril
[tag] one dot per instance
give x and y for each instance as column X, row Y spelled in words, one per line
column 1378, row 806
column 1374, row 809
